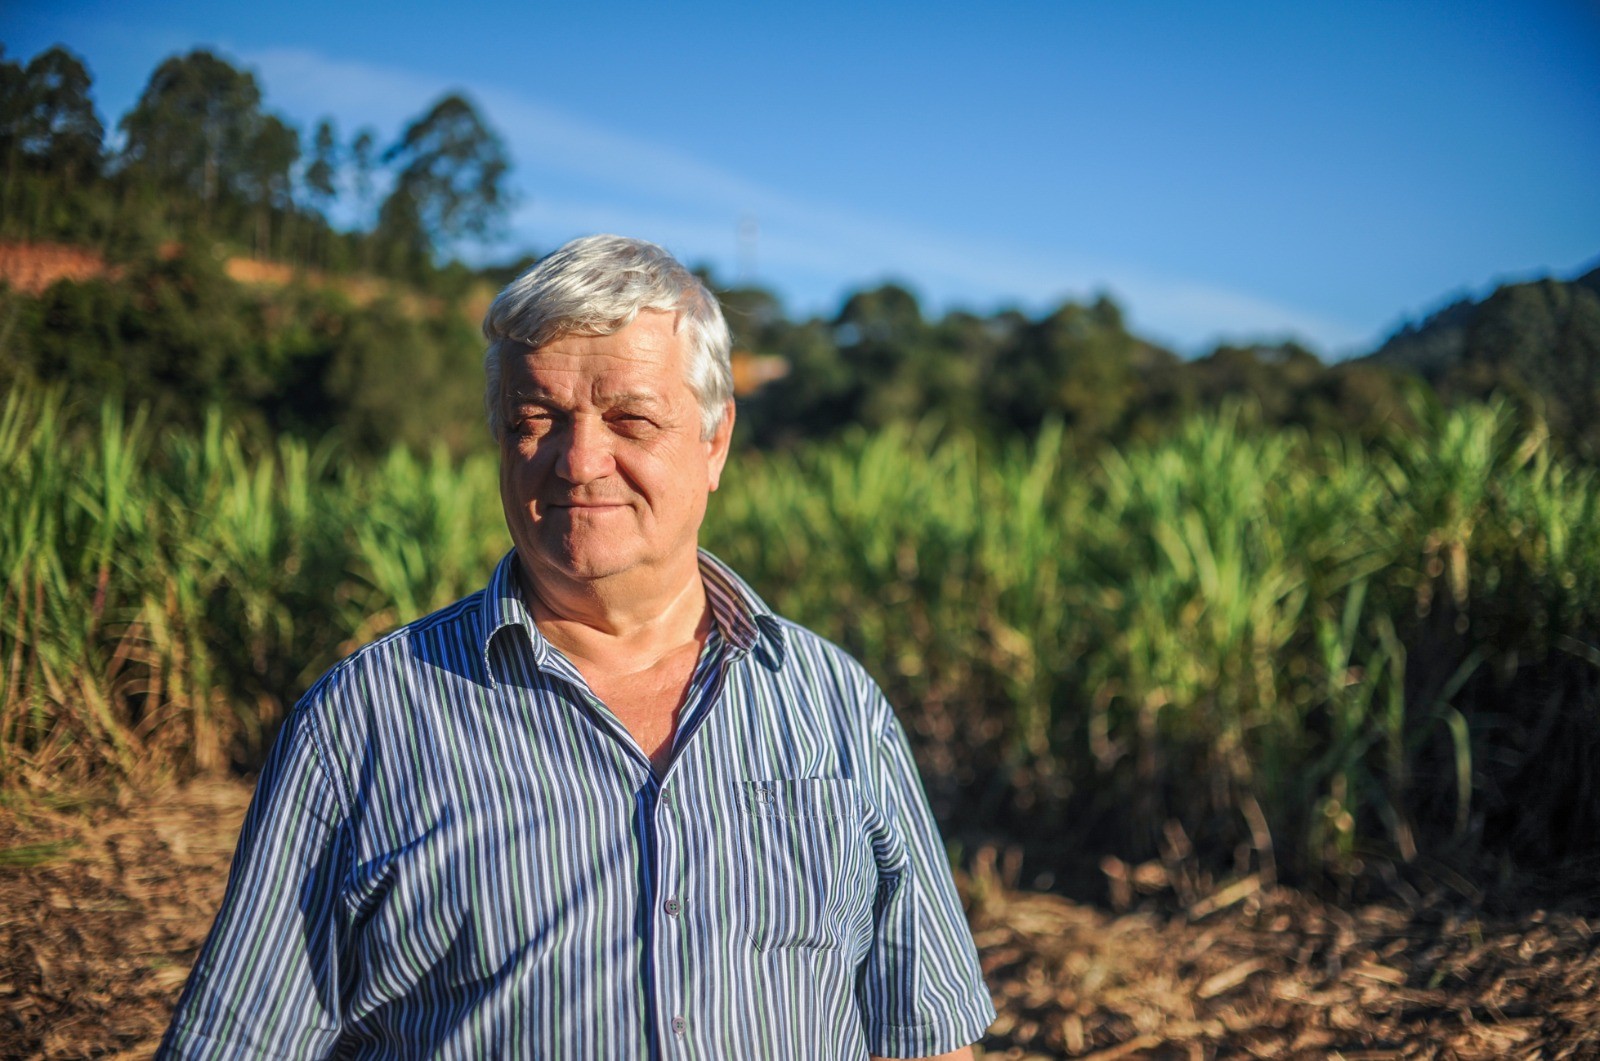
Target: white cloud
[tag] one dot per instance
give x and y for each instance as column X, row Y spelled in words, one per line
column 810, row 251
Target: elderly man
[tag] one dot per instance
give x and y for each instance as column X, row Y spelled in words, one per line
column 611, row 806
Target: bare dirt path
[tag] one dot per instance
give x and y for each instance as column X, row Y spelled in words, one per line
column 102, row 910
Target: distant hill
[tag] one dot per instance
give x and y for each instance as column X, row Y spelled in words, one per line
column 1539, row 341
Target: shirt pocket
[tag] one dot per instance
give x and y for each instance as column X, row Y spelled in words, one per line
column 806, row 871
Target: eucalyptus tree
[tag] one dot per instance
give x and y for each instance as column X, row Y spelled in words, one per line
column 50, row 140
column 449, row 184
column 363, row 162
column 321, row 176
column 52, row 120
column 267, row 180
column 198, row 130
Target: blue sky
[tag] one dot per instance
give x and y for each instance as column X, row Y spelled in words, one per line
column 1223, row 170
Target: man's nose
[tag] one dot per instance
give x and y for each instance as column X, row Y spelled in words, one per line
column 587, row 454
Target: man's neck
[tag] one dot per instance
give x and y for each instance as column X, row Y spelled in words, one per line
column 619, row 625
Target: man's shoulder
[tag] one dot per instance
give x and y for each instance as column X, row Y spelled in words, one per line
column 814, row 663
column 430, row 640
column 808, row 642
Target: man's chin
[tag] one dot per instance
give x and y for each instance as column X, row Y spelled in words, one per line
column 586, row 561
column 593, row 569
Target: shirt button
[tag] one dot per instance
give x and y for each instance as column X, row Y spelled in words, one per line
column 679, row 1026
column 672, row 907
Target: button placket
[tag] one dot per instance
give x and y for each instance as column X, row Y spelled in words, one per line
column 669, row 936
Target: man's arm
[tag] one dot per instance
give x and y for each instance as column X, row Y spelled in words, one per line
column 963, row 1054
column 921, row 991
column 267, row 980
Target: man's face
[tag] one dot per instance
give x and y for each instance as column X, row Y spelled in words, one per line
column 602, row 467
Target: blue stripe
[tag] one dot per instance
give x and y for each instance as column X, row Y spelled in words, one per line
column 455, row 850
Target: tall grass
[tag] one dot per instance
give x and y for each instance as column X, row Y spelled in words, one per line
column 1292, row 646
column 1292, row 650
column 165, row 597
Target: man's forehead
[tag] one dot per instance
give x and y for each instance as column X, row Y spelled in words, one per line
column 540, row 377
column 534, row 392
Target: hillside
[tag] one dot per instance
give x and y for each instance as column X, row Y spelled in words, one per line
column 184, row 329
column 1538, row 341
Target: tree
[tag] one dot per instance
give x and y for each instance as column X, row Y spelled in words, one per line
column 51, row 119
column 450, row 182
column 886, row 316
column 1078, row 363
column 322, row 174
column 400, row 239
column 1538, row 342
column 195, row 129
column 50, row 146
column 363, row 162
column 13, row 106
column 13, row 98
column 266, row 177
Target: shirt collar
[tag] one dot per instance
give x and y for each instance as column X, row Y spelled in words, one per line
column 740, row 614
column 503, row 607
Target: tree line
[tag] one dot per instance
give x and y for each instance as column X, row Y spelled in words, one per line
column 201, row 171
column 199, row 156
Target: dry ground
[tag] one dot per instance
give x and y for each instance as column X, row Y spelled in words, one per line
column 102, row 909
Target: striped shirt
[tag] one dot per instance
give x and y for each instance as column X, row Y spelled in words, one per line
column 456, row 850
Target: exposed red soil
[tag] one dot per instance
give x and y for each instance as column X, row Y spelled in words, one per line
column 33, row 267
column 103, row 908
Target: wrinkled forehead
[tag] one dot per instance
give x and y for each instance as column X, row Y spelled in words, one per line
column 646, row 358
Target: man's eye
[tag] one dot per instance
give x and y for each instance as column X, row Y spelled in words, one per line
column 531, row 424
column 632, row 424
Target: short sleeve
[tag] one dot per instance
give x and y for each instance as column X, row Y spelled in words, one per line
column 921, row 991
column 267, row 980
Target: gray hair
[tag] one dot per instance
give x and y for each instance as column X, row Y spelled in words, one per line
column 597, row 285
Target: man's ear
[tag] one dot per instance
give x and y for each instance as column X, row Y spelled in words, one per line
column 717, row 445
